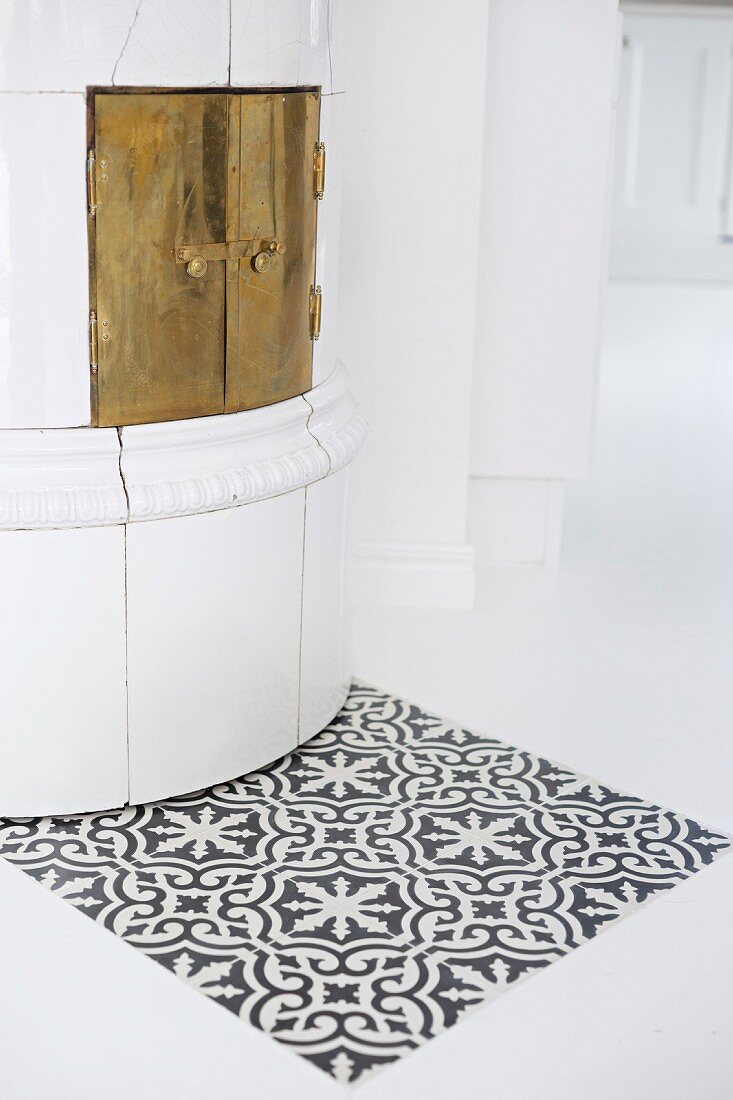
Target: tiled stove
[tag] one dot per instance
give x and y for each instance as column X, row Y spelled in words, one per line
column 175, row 430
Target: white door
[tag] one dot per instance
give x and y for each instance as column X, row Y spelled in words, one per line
column 672, row 147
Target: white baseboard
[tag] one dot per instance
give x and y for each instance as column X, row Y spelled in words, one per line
column 659, row 258
column 413, row 574
column 516, row 520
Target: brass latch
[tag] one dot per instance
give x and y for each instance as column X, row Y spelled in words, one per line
column 196, row 256
column 319, row 169
column 316, row 300
column 93, row 343
column 92, row 183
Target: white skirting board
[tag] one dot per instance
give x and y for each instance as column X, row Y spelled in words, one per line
column 516, row 520
column 510, row 520
column 414, row 574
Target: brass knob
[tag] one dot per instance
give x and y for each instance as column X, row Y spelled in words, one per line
column 277, row 247
column 196, row 267
column 262, row 262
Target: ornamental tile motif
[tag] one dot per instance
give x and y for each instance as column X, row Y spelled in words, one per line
column 367, row 891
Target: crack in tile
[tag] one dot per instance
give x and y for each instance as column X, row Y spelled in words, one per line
column 127, row 40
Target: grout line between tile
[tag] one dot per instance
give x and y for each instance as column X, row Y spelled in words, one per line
column 126, row 615
column 302, row 605
column 583, row 777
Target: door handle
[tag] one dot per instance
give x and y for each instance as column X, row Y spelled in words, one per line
column 197, row 267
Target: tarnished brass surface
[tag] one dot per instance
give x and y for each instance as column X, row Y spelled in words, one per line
column 269, row 352
column 161, row 180
column 227, row 250
column 204, row 250
column 262, row 262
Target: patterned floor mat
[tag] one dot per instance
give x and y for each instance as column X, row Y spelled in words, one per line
column 362, row 894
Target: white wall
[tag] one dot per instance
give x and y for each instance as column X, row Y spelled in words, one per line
column 550, row 83
column 413, row 131
column 469, row 163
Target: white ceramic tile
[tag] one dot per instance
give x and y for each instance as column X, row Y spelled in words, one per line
column 320, row 39
column 282, row 42
column 66, row 477
column 65, row 45
column 325, row 657
column 213, row 640
column 336, row 420
column 327, row 244
column 337, row 46
column 61, row 45
column 209, row 462
column 62, row 671
column 44, row 302
column 177, row 42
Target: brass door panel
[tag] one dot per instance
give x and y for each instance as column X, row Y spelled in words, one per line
column 269, row 349
column 203, row 223
column 161, row 179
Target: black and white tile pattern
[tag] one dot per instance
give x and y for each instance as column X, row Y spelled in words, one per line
column 364, row 893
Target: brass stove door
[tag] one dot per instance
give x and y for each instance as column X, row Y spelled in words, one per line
column 161, row 179
column 204, row 251
column 272, row 138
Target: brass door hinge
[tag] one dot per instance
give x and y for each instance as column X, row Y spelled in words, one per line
column 93, row 343
column 316, row 300
column 92, row 183
column 319, row 169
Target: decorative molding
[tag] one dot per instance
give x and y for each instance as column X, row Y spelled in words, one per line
column 694, row 10
column 414, row 574
column 336, row 421
column 60, row 477
column 185, row 467
column 190, row 466
column 70, row 477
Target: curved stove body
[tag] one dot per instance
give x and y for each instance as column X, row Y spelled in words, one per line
column 173, row 608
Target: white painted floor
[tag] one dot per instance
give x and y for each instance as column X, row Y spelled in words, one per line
column 619, row 664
